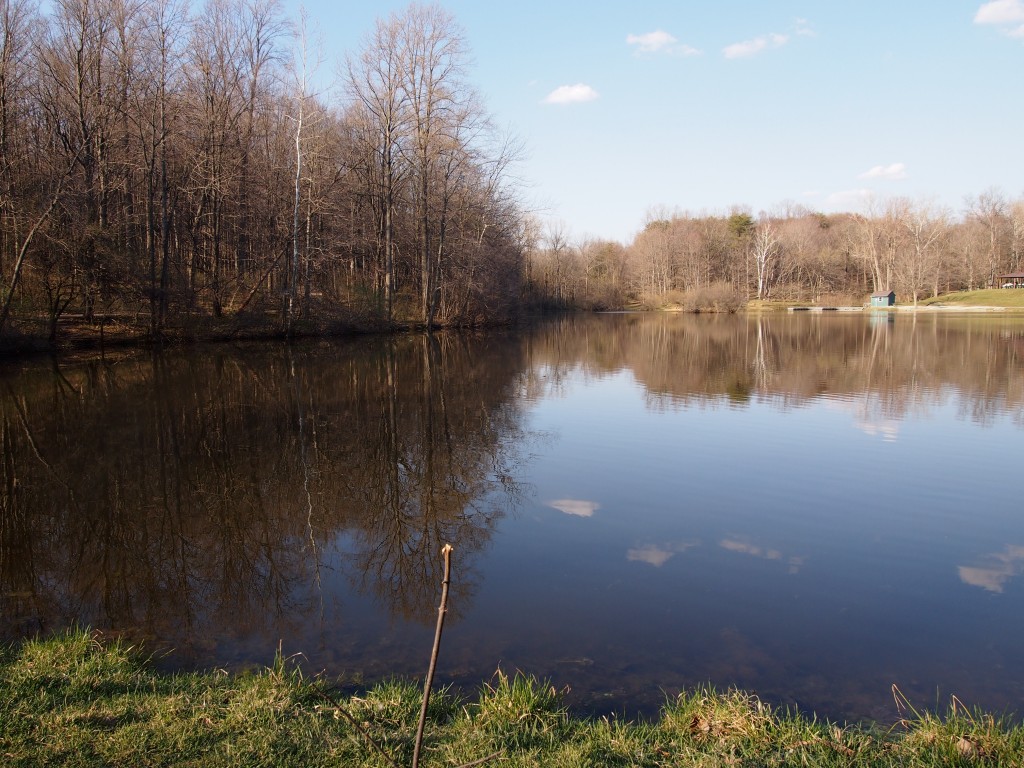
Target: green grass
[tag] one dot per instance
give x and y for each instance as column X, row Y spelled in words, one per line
column 991, row 297
column 73, row 700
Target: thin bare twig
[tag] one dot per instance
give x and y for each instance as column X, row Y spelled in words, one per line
column 442, row 610
column 359, row 728
column 446, row 551
column 481, row 761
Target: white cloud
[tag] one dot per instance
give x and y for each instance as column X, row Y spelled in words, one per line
column 652, row 42
column 1000, row 12
column 660, row 41
column 892, row 172
column 744, row 49
column 752, row 47
column 1008, row 15
column 571, row 94
column 575, row 507
column 803, row 28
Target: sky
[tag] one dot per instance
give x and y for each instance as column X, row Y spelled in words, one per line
column 630, row 110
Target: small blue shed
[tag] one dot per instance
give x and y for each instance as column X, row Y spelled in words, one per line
column 883, row 299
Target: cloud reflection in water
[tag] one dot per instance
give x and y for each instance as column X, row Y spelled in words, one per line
column 658, row 554
column 995, row 569
column 795, row 562
column 575, row 507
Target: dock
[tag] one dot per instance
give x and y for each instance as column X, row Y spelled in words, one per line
column 826, row 309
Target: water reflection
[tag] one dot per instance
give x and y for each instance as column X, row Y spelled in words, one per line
column 576, row 507
column 794, row 562
column 794, row 504
column 881, row 372
column 657, row 554
column 994, row 570
column 190, row 496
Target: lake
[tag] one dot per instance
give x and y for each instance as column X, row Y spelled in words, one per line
column 814, row 508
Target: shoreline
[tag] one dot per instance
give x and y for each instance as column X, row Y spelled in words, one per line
column 80, row 336
column 909, row 308
column 77, row 698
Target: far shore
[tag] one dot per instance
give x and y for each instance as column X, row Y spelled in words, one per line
column 112, row 331
column 949, row 308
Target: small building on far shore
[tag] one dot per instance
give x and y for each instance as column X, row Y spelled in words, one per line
column 883, row 299
column 1012, row 280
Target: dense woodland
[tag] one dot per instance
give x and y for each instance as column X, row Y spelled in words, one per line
column 164, row 161
column 169, row 165
column 709, row 261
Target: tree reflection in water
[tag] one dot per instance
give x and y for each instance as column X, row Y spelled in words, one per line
column 189, row 497
column 220, row 499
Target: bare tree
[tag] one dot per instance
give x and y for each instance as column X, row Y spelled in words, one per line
column 557, row 256
column 373, row 80
column 19, row 26
column 18, row 36
column 653, row 258
column 151, row 57
column 1017, row 235
column 215, row 82
column 433, row 57
column 80, row 92
column 926, row 228
column 765, row 249
column 990, row 211
column 263, row 29
column 875, row 240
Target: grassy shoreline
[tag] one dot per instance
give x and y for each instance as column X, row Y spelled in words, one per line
column 1005, row 300
column 76, row 700
column 28, row 336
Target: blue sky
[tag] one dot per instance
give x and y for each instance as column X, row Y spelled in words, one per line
column 625, row 108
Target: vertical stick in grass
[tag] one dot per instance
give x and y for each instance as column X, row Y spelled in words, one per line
column 442, row 609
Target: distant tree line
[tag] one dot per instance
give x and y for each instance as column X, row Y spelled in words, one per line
column 170, row 165
column 166, row 162
column 719, row 261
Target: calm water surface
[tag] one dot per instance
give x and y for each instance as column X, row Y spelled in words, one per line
column 813, row 508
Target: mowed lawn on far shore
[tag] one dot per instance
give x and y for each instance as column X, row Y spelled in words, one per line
column 1011, row 298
